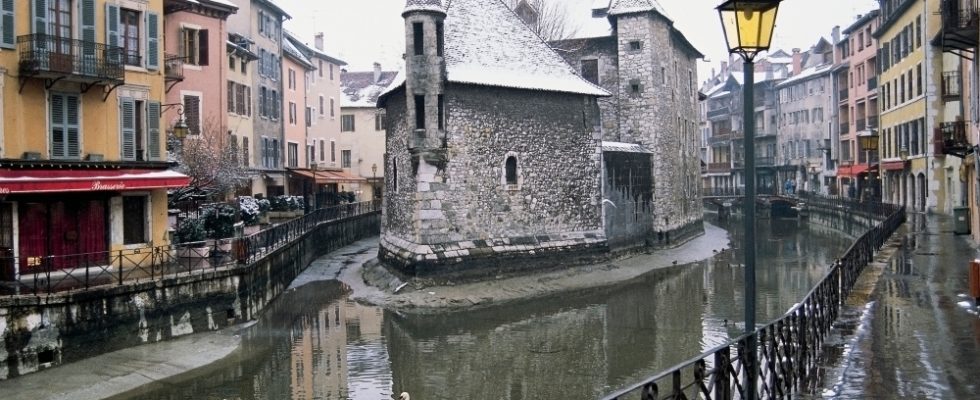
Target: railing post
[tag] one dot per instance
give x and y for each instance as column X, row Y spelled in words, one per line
column 120, row 268
column 721, row 378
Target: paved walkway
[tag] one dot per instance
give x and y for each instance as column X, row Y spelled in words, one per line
column 914, row 333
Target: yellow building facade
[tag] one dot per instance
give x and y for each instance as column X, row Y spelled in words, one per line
column 83, row 162
column 915, row 109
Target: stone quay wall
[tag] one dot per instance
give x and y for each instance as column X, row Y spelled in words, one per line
column 40, row 332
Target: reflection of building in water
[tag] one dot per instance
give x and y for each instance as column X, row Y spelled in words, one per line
column 333, row 353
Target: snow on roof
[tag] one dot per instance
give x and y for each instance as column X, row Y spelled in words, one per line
column 600, row 4
column 633, row 6
column 361, row 90
column 779, row 60
column 424, row 5
column 624, row 147
column 292, row 51
column 807, row 74
column 722, row 93
column 486, row 44
column 225, row 3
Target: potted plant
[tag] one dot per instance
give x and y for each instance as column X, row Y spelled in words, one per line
column 219, row 223
column 190, row 236
column 252, row 211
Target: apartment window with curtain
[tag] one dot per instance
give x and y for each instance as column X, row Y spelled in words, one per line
column 345, row 158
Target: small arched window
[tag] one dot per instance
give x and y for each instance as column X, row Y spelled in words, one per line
column 510, row 173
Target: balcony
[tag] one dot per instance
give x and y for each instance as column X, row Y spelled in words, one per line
column 860, row 124
column 873, row 83
column 173, row 70
column 56, row 58
column 950, row 138
column 718, row 112
column 951, row 85
column 843, row 95
column 873, row 122
column 719, row 167
column 959, row 28
column 719, row 138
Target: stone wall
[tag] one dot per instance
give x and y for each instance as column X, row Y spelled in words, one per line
column 453, row 203
column 628, row 206
column 42, row 332
column 604, row 50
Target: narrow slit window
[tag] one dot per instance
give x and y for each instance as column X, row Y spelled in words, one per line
column 394, row 177
column 419, row 112
column 442, row 116
column 511, row 170
column 440, row 40
column 419, row 37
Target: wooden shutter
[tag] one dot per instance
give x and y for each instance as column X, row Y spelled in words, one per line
column 152, row 41
column 192, row 114
column 64, row 133
column 153, row 129
column 72, row 117
column 231, row 96
column 7, row 32
column 202, row 47
column 113, row 52
column 127, row 127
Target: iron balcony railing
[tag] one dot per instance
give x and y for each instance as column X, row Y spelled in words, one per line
column 720, row 167
column 785, row 353
column 951, row 85
column 765, row 161
column 718, row 112
column 49, row 55
column 50, row 274
column 173, row 67
column 958, row 15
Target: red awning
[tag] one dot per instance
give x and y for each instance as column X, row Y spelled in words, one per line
column 893, row 165
column 852, row 170
column 80, row 180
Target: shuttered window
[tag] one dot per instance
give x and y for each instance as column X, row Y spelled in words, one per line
column 65, row 132
column 192, row 113
column 7, row 36
column 127, row 126
column 153, row 131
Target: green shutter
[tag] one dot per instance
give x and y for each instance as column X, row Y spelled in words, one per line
column 153, row 129
column 57, row 104
column 39, row 14
column 152, row 41
column 7, row 32
column 127, row 125
column 73, row 139
column 87, row 8
column 112, row 25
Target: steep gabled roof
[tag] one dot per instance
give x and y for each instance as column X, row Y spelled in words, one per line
column 362, row 90
column 619, row 7
column 291, row 51
column 487, row 44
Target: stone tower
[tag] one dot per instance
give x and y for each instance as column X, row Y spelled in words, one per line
column 425, row 73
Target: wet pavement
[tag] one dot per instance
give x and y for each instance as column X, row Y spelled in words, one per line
column 913, row 332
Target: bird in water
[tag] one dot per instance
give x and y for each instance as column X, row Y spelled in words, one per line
column 404, row 396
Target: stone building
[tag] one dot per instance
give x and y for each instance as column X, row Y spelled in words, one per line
column 363, row 133
column 499, row 151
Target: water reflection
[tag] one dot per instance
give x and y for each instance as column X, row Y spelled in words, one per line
column 314, row 343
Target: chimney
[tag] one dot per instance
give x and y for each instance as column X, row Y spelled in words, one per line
column 318, row 41
column 377, row 72
column 835, row 34
column 797, row 62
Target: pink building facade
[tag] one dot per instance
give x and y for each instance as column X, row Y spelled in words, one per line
column 857, row 96
column 295, row 67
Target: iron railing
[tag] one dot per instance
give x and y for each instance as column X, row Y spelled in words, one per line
column 50, row 54
column 720, row 167
column 50, row 274
column 735, row 191
column 785, row 352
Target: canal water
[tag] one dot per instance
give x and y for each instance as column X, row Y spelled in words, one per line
column 316, row 343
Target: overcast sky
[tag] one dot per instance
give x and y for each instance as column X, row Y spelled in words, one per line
column 364, row 31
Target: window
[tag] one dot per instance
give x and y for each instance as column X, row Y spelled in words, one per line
column 59, row 19
column 292, row 113
column 345, row 159
column 394, row 177
column 275, row 108
column 293, row 154
column 245, row 156
column 590, row 70
column 440, row 40
column 441, row 111
column 419, row 112
column 194, row 46
column 231, row 63
column 134, row 219
column 635, row 87
column 635, row 45
column 379, row 121
column 418, row 37
column 309, row 117
column 319, row 69
column 192, row 113
column 321, row 105
column 510, row 173
column 263, row 107
column 918, row 79
column 331, row 71
column 333, row 151
column 347, row 123
column 292, row 79
column 333, row 108
column 275, row 153
column 244, row 64
column 65, row 131
column 129, row 32
column 323, row 154
column 310, row 155
column 231, row 96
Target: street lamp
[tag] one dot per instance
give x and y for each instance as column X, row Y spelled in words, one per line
column 374, row 181
column 903, row 153
column 748, row 26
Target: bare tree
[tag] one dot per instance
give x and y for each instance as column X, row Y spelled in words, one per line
column 213, row 164
column 549, row 19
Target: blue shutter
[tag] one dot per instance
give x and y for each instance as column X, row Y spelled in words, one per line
column 39, row 14
column 153, row 129
column 152, row 41
column 7, row 39
column 112, row 26
column 127, row 126
column 58, row 133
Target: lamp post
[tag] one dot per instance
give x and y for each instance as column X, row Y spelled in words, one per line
column 374, row 181
column 748, row 27
column 904, row 154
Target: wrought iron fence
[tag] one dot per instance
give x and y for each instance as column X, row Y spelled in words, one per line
column 50, row 274
column 784, row 352
column 41, row 53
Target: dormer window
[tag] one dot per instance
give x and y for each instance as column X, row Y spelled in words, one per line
column 418, row 36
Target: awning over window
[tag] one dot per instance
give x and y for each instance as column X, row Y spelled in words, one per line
column 851, row 171
column 62, row 180
column 893, row 165
column 324, row 177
